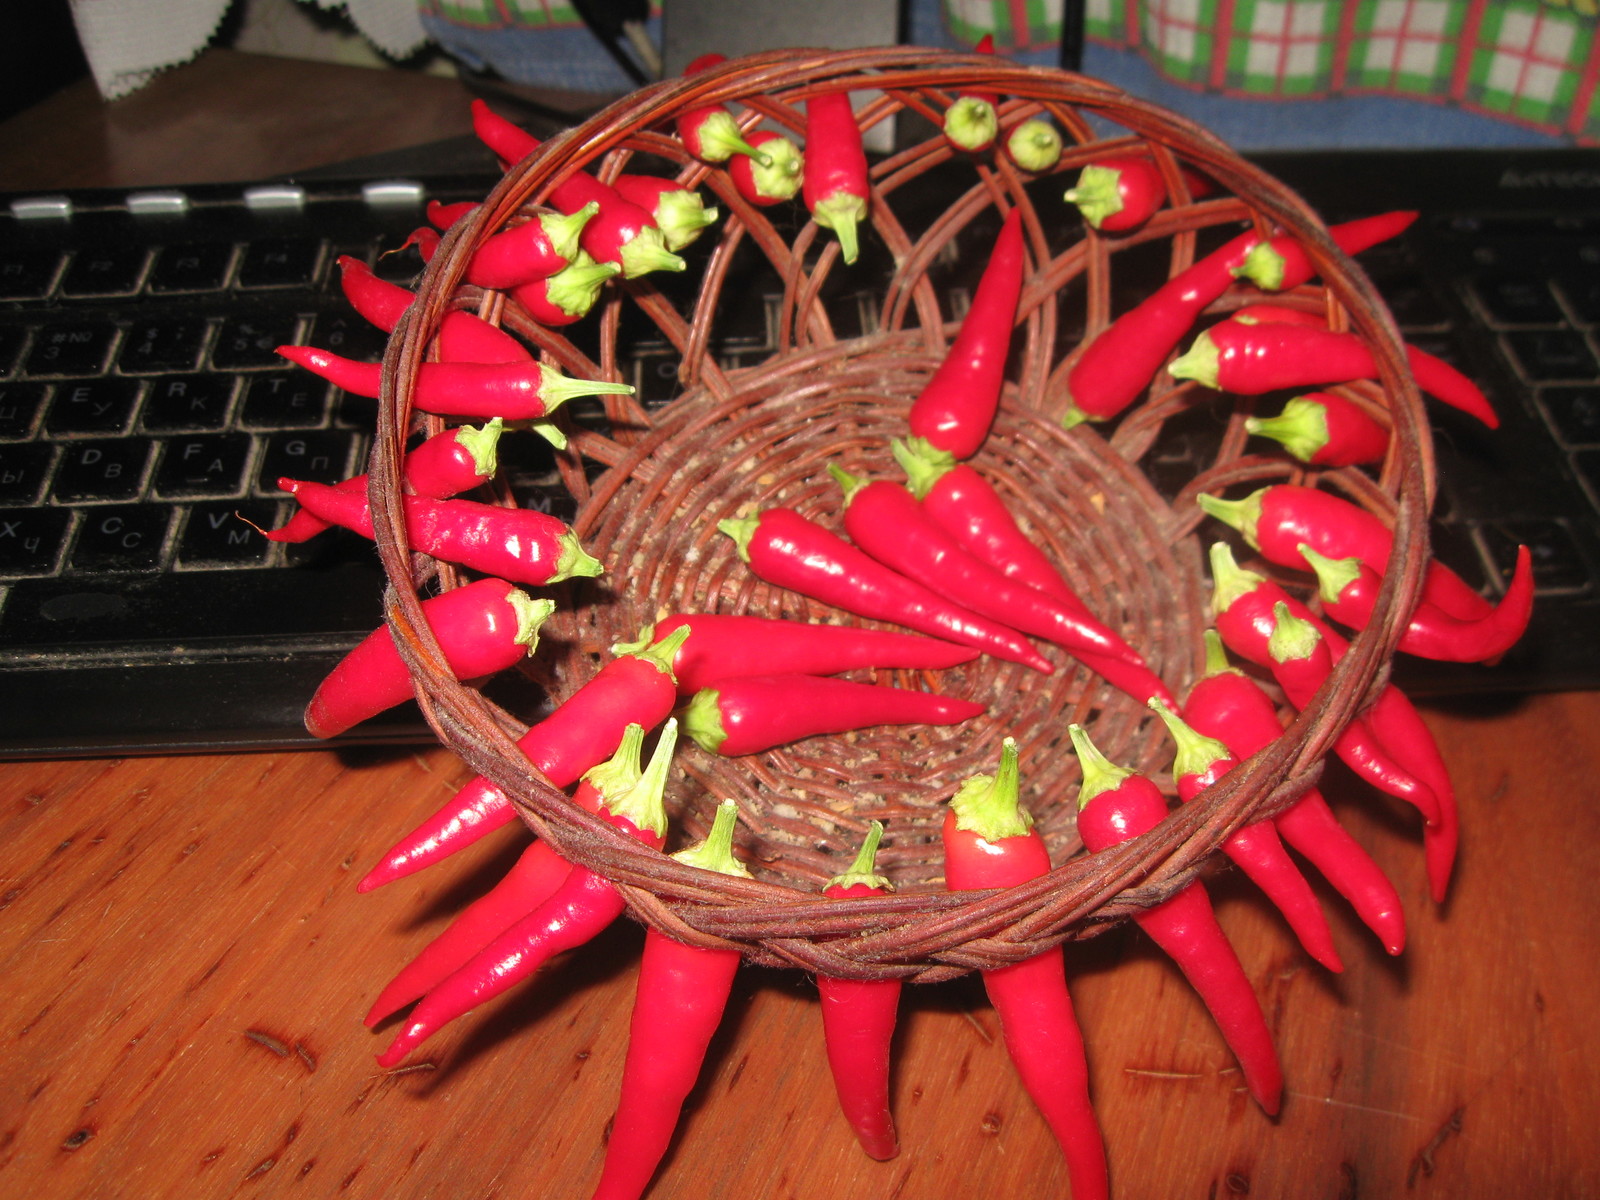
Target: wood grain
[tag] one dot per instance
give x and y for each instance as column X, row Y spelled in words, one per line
column 184, row 961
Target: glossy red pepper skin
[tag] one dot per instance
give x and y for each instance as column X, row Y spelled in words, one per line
column 678, row 212
column 791, row 551
column 1282, row 263
column 379, row 301
column 757, row 712
column 954, row 411
column 835, row 184
column 1119, row 193
column 480, row 628
column 522, row 253
column 463, row 336
column 442, row 216
column 724, row 647
column 1326, row 430
column 1412, row 743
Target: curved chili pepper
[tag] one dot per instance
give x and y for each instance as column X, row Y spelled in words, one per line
column 971, row 123
column 794, row 552
column 379, row 301
column 679, row 212
column 583, row 905
column 1246, row 606
column 1231, row 707
column 514, row 391
column 441, row 215
column 757, row 712
column 532, row 880
column 681, row 995
column 835, row 182
column 708, row 131
column 858, row 1020
column 1034, row 145
column 1255, row 848
column 482, row 628
column 778, row 179
column 1118, row 365
column 1348, row 590
column 1278, row 519
column 568, row 295
column 1118, row 193
column 1251, row 358
column 885, row 520
column 730, row 647
column 990, row 842
column 585, row 729
column 540, row 246
column 1282, row 263
column 1116, row 804
column 951, row 416
column 1326, row 429
column 1411, row 742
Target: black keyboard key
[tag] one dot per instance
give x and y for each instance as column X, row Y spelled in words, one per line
column 105, row 271
column 24, row 467
column 121, row 537
column 400, row 266
column 19, row 407
column 207, row 464
column 1509, row 299
column 1414, row 304
column 320, row 455
column 166, row 345
column 1552, row 355
column 198, row 267
column 1587, row 464
column 221, row 535
column 11, row 339
column 1574, row 414
column 110, row 469
column 188, row 402
column 78, row 349
column 279, row 263
column 1558, row 564
column 251, row 341
column 655, row 379
column 1581, row 290
column 349, row 335
column 294, row 399
column 92, row 405
column 28, row 274
column 30, row 539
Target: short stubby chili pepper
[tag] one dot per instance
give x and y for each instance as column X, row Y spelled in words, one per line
column 1230, row 706
column 1326, row 430
column 1348, row 590
column 532, row 880
column 858, row 1020
column 835, row 183
column 1278, row 519
column 482, row 628
column 542, row 245
column 1245, row 606
column 709, row 132
column 758, row 712
column 584, row 730
column 513, row 391
column 678, row 1004
column 1249, row 358
column 884, row 519
column 792, row 551
column 1116, row 804
column 1255, row 848
column 954, row 410
column 1034, row 145
column 990, row 842
column 778, row 179
column 679, row 212
column 964, row 504
column 568, row 295
column 971, row 123
column 1281, row 263
column 1118, row 193
column 583, row 905
column 521, row 545
column 723, row 646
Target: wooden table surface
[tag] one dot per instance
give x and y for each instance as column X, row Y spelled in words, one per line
column 186, row 961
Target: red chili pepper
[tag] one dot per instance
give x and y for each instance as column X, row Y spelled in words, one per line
column 951, row 416
column 1276, row 520
column 730, row 647
column 835, row 185
column 1231, row 707
column 1116, row 804
column 442, row 215
column 1118, row 365
column 709, row 132
column 522, row 545
column 482, row 628
column 679, row 212
column 1255, row 848
column 990, row 842
column 514, row 391
column 585, row 729
column 971, row 123
column 447, row 464
column 778, row 179
column 1034, row 145
column 540, row 246
column 426, row 241
column 1413, row 745
column 1251, row 358
column 379, row 301
column 532, row 880
column 1247, row 616
column 681, row 995
column 1282, row 263
column 1348, row 590
column 568, row 295
column 884, row 519
column 1118, row 193
column 1326, row 429
column 794, row 552
column 858, row 1020
column 757, row 712
column 583, row 905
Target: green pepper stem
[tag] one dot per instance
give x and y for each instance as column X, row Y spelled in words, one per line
column 861, row 873
column 741, row 530
column 1096, row 194
column 842, row 212
column 781, row 176
column 923, row 462
column 1202, row 363
column 555, row 389
column 1262, row 266
column 702, row 720
column 681, row 215
column 481, row 443
column 1100, row 774
column 643, row 804
column 661, row 654
column 1243, row 515
column 1293, row 638
column 1034, row 145
column 573, row 560
column 990, row 805
column 1301, row 428
column 1229, row 580
column 1333, row 574
column 622, row 770
column 850, row 483
column 716, row 852
column 1216, row 655
column 720, row 139
column 1196, row 752
column 530, row 613
column 971, row 123
column 575, row 287
column 647, row 251
column 563, row 228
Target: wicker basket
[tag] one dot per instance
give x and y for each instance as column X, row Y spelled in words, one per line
column 746, row 435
